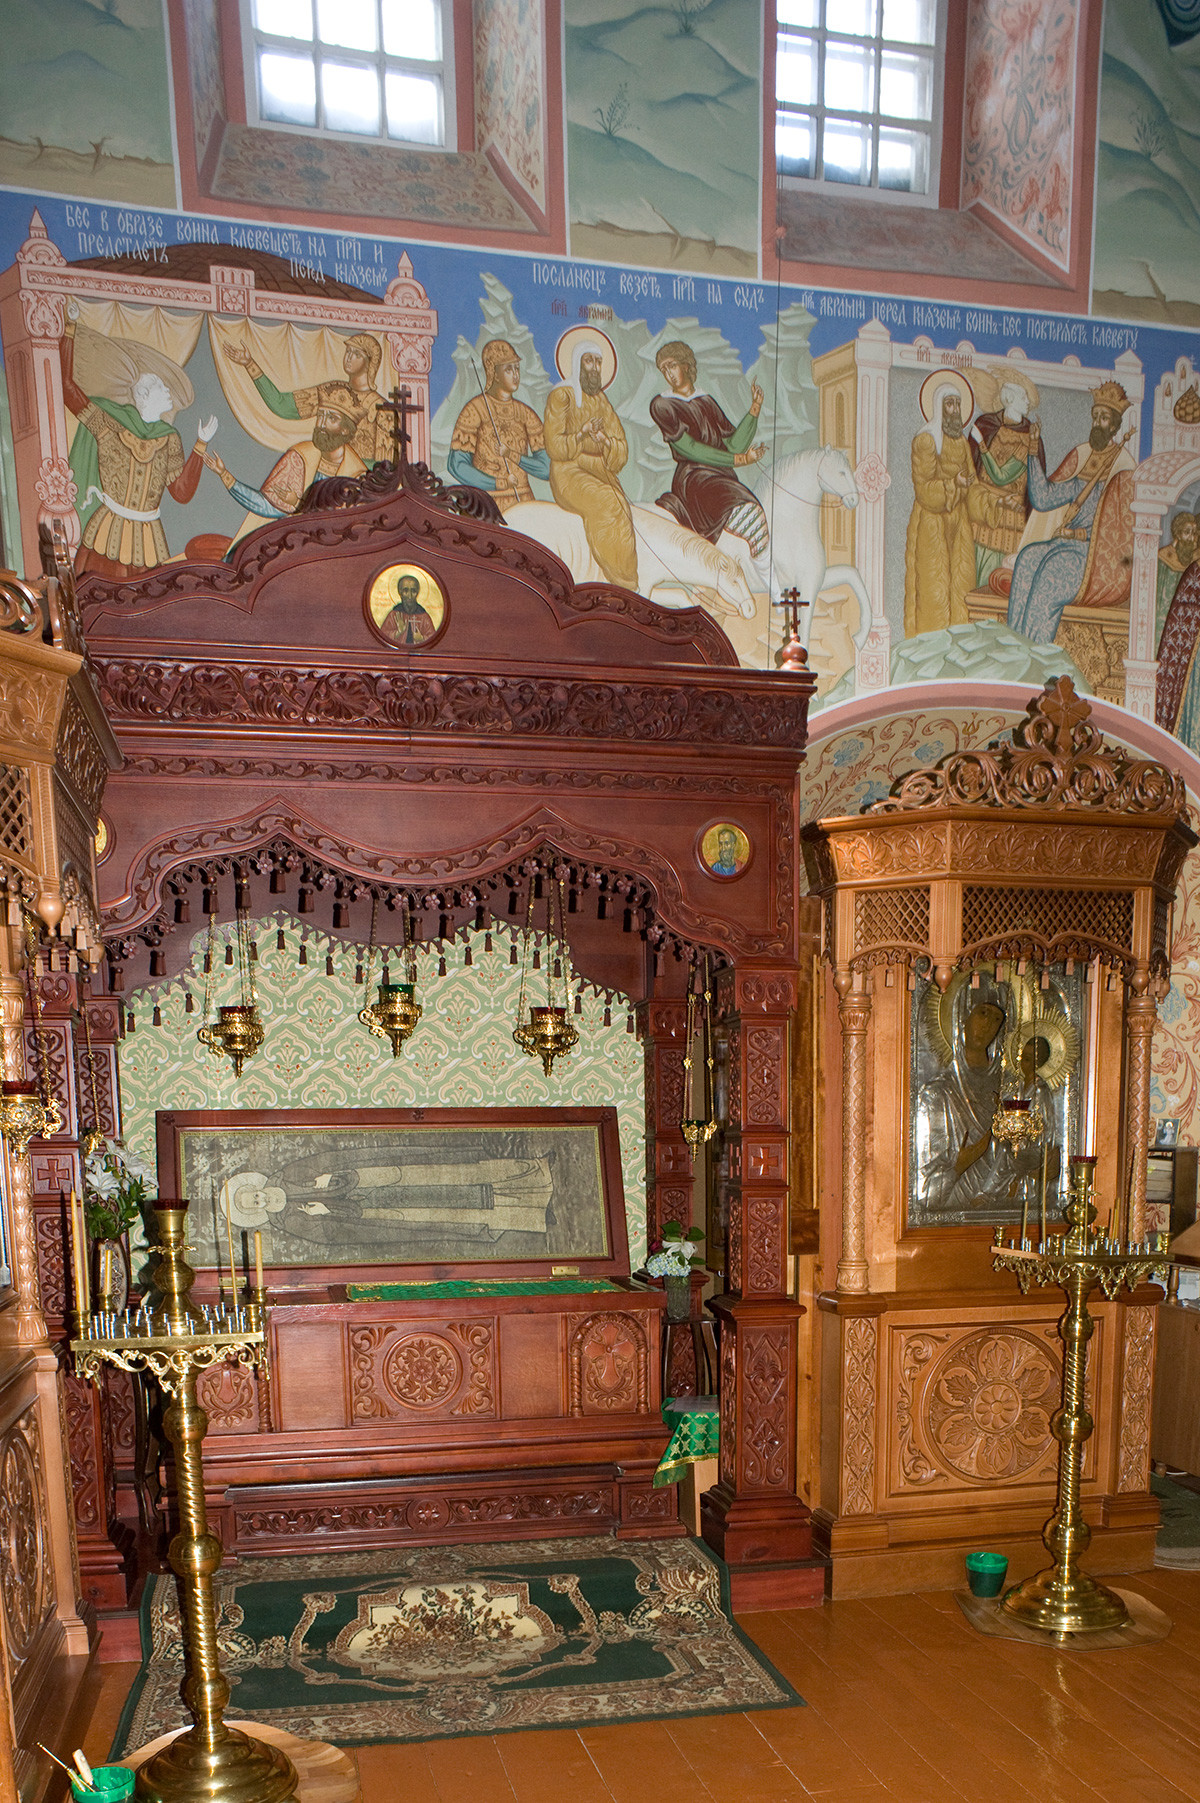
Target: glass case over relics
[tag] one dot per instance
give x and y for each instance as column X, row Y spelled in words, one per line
column 999, row 1033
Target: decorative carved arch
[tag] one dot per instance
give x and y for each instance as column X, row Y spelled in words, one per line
column 142, row 909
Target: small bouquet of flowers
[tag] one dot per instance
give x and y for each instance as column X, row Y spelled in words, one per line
column 679, row 1253
column 115, row 1186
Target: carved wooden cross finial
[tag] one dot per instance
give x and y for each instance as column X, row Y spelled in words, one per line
column 794, row 656
column 400, row 404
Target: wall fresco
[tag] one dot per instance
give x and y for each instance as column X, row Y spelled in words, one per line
column 83, row 99
column 1019, row 122
column 1148, row 173
column 960, row 493
column 649, row 89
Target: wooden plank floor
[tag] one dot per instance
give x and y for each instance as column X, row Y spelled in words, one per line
column 906, row 1702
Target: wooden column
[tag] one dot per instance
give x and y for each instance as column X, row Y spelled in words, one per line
column 753, row 1518
column 855, row 1015
column 56, row 1165
column 1141, row 1018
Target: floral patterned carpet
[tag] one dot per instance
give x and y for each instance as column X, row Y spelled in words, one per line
column 438, row 1641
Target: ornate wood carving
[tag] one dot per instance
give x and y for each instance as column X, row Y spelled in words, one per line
column 426, row 1516
column 765, row 1246
column 205, row 843
column 987, row 1405
column 1137, row 1382
column 609, row 1364
column 916, row 1350
column 767, row 1387
column 1056, row 759
column 859, row 1385
column 26, row 1576
column 402, row 1369
column 727, row 1448
column 854, row 1013
column 229, row 1396
column 420, row 701
column 404, row 517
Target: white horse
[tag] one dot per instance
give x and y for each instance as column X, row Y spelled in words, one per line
column 679, row 568
column 671, row 560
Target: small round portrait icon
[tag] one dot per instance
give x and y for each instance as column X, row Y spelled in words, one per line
column 724, row 849
column 406, row 606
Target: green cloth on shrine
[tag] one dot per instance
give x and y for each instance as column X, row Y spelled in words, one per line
column 478, row 1286
column 697, row 1424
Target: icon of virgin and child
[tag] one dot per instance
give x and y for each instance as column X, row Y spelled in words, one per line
column 353, row 1202
column 976, row 1046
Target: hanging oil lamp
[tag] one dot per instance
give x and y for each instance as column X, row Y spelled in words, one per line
column 394, row 1013
column 237, row 1031
column 547, row 1033
column 698, row 1124
column 27, row 1109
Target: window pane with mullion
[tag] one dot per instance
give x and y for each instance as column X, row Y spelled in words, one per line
column 287, row 88
column 348, row 24
column 288, row 19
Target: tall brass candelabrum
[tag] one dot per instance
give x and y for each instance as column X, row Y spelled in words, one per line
column 175, row 1339
column 1064, row 1600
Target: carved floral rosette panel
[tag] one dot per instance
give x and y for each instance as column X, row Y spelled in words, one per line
column 431, row 1371
column 971, row 1405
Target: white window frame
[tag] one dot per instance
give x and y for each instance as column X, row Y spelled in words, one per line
column 252, row 38
column 856, row 191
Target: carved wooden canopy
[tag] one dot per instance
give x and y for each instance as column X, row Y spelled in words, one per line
column 261, row 705
column 1048, row 845
column 56, row 750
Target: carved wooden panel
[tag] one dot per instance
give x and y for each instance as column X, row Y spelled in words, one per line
column 767, row 1358
column 972, row 1405
column 26, row 1578
column 87, row 1477
column 433, row 1371
column 765, row 1075
column 229, row 1396
column 609, row 1364
column 433, row 1512
column 1137, row 1382
column 859, row 1386
column 764, row 1249
column 727, row 1453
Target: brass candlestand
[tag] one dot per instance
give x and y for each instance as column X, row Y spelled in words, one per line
column 175, row 1339
column 1065, row 1601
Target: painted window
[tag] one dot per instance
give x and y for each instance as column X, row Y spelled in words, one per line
column 357, row 69
column 858, row 95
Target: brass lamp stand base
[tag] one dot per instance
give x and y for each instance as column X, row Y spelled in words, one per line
column 1061, row 1603
column 1142, row 1623
column 236, row 1770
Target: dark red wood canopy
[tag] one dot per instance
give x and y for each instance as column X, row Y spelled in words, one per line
column 267, row 719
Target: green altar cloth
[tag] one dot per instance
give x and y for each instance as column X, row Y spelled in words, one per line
column 696, row 1421
column 478, row 1286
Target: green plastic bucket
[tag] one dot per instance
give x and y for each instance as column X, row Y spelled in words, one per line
column 985, row 1573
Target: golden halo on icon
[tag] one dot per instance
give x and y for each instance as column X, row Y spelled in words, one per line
column 406, row 606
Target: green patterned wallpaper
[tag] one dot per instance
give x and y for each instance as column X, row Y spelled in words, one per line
column 317, row 1055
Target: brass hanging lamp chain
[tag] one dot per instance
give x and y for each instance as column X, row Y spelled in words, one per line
column 527, row 936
